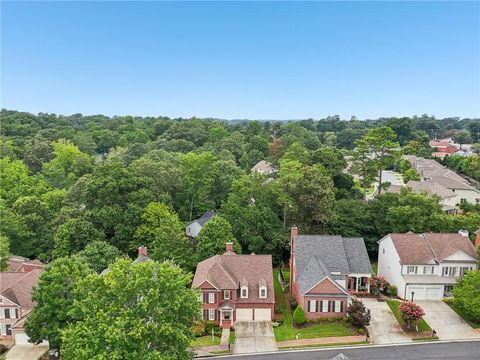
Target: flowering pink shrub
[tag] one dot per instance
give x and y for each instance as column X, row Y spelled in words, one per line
column 410, row 313
column 378, row 284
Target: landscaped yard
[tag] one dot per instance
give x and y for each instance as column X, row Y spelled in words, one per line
column 474, row 324
column 205, row 341
column 394, row 304
column 287, row 331
column 374, row 267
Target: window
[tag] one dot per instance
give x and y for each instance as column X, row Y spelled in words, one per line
column 337, row 306
column 13, row 313
column 211, row 314
column 412, row 269
column 226, row 294
column 383, row 251
column 200, row 298
column 311, row 305
column 433, row 270
column 324, row 306
column 7, row 313
column 2, row 313
column 463, row 270
column 211, row 298
column 9, row 329
column 201, row 314
column 448, row 291
column 263, row 292
column 244, row 292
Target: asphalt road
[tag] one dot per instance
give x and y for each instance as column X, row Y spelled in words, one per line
column 465, row 350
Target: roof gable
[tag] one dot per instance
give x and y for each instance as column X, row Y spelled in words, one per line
column 459, row 256
column 326, row 285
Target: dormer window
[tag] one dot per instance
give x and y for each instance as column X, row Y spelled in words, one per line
column 244, row 292
column 262, row 293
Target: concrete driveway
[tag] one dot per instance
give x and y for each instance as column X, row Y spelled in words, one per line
column 384, row 328
column 26, row 352
column 254, row 336
column 446, row 322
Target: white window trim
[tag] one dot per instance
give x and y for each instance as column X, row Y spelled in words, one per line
column 260, row 292
column 246, row 292
column 337, row 305
column 200, row 298
column 311, row 305
column 211, row 314
column 225, row 296
column 211, row 298
column 325, row 306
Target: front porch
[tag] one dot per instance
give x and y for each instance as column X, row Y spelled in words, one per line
column 358, row 284
column 226, row 315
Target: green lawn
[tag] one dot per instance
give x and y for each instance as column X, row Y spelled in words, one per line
column 394, row 304
column 205, row 341
column 286, row 275
column 286, row 331
column 474, row 324
column 374, row 267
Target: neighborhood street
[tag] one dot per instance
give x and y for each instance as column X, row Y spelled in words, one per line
column 465, row 350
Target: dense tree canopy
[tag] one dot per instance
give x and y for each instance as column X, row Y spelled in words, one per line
column 71, row 181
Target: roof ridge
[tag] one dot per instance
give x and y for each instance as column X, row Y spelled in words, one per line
column 21, row 278
column 430, row 247
column 345, row 253
column 227, row 271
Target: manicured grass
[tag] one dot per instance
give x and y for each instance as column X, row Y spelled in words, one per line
column 474, row 324
column 231, row 338
column 286, row 331
column 286, row 275
column 394, row 304
column 324, row 329
column 205, row 341
column 374, row 267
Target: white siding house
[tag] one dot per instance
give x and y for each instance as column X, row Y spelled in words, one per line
column 193, row 228
column 425, row 266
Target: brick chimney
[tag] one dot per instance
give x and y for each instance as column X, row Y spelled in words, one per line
column 229, row 246
column 142, row 251
column 477, row 239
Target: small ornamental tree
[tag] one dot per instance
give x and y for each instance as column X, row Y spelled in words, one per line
column 358, row 314
column 378, row 284
column 299, row 317
column 410, row 313
column 466, row 294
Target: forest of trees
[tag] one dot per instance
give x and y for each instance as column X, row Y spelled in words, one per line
column 72, row 181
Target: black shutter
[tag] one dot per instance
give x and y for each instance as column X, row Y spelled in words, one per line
column 205, row 314
column 321, row 306
column 316, row 306
column 204, row 297
column 215, row 298
column 341, row 306
column 9, row 329
column 16, row 314
column 329, row 306
column 7, row 313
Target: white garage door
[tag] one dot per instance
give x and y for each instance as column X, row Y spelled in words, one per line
column 263, row 314
column 244, row 314
column 419, row 293
column 21, row 339
column 434, row 294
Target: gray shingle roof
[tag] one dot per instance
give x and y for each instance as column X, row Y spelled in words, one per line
column 318, row 256
column 204, row 218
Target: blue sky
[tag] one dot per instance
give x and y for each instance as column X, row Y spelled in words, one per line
column 263, row 60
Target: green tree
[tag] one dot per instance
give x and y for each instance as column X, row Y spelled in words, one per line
column 162, row 232
column 67, row 166
column 375, row 151
column 462, row 137
column 142, row 310
column 74, row 235
column 466, row 294
column 358, row 314
column 213, row 236
column 409, row 175
column 99, row 255
column 4, row 252
column 54, row 300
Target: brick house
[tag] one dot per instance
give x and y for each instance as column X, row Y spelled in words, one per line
column 235, row 287
column 16, row 302
column 325, row 270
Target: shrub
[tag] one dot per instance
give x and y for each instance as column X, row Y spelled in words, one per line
column 198, row 328
column 331, row 319
column 299, row 317
column 361, row 331
column 3, row 349
column 410, row 313
column 293, row 303
column 278, row 309
column 209, row 325
column 358, row 314
column 378, row 284
column 392, row 290
column 345, row 319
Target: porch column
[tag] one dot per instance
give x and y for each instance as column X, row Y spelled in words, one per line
column 357, row 283
column 221, row 318
column 368, row 285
